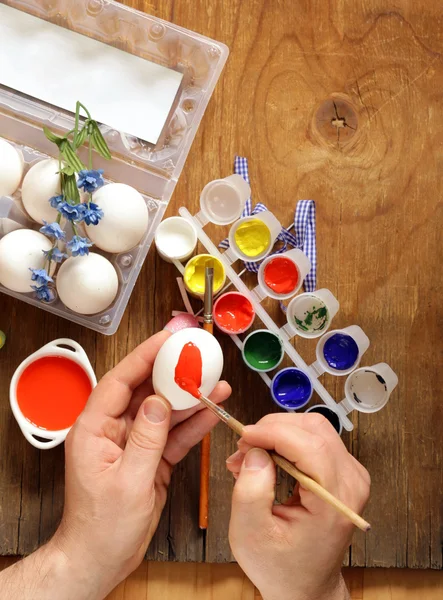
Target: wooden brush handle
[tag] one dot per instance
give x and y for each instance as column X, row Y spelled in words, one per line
column 310, row 484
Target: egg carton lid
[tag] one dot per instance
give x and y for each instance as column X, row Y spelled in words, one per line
column 102, row 38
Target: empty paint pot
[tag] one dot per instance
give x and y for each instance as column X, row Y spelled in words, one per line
column 309, row 315
column 222, row 201
column 368, row 389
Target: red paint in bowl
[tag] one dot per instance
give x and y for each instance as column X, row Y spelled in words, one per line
column 233, row 313
column 52, row 392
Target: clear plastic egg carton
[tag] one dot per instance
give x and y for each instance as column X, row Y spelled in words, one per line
column 152, row 169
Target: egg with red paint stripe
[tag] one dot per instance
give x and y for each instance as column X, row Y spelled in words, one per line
column 180, row 356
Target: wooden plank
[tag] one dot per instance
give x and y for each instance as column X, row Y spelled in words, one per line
column 377, row 189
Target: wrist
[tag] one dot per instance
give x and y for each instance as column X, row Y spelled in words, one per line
column 335, row 590
column 78, row 573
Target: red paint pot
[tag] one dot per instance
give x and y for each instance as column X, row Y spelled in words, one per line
column 49, row 390
column 233, row 313
column 281, row 275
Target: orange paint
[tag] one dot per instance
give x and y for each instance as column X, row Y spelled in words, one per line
column 233, row 312
column 52, row 392
column 188, row 372
column 281, row 275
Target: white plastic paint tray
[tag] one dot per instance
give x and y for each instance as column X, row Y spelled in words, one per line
column 285, row 333
column 152, row 168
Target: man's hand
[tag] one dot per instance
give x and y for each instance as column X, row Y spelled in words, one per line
column 294, row 551
column 119, row 459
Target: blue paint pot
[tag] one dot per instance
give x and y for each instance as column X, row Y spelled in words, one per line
column 291, row 388
column 340, row 351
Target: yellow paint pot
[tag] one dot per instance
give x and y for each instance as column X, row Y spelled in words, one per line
column 252, row 238
column 194, row 275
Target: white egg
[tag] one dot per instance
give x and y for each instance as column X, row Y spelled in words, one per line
column 163, row 374
column 20, row 251
column 125, row 219
column 11, row 168
column 41, row 182
column 87, row 284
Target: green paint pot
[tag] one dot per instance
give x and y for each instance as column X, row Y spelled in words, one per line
column 262, row 350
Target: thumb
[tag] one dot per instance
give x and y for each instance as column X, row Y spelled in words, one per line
column 147, row 438
column 254, row 494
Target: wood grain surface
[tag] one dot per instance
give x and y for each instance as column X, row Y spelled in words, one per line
column 197, row 581
column 339, row 101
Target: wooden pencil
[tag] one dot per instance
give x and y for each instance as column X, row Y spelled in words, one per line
column 205, row 445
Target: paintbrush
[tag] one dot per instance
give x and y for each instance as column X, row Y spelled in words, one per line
column 206, row 441
column 305, row 481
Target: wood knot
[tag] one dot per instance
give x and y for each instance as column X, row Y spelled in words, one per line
column 336, row 121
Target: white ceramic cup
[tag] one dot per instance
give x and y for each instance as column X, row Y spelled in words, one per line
column 302, row 264
column 271, row 222
column 368, row 389
column 325, row 410
column 301, row 305
column 175, row 239
column 361, row 339
column 77, row 355
column 222, row 201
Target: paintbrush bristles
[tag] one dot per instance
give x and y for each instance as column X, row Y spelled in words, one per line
column 305, row 481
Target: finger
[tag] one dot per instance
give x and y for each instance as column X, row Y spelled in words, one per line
column 234, row 462
column 147, row 440
column 310, row 452
column 187, row 434
column 253, row 496
column 314, row 423
column 112, row 395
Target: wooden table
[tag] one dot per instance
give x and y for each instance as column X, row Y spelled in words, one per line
column 373, row 165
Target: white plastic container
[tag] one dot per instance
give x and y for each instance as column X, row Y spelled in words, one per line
column 368, row 389
column 300, row 306
column 76, row 354
column 357, row 334
column 152, row 169
column 271, row 222
column 302, row 264
column 222, row 201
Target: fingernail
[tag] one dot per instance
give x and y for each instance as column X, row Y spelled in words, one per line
column 234, row 457
column 155, row 410
column 256, row 459
column 248, row 428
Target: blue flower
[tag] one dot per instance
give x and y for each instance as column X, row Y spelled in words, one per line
column 53, row 230
column 90, row 180
column 79, row 246
column 40, row 276
column 55, row 254
column 44, row 293
column 93, row 214
column 55, row 201
column 72, row 212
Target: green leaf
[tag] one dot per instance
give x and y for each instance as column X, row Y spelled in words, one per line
column 55, row 139
column 70, row 189
column 80, row 137
column 71, row 157
column 99, row 142
column 67, row 170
